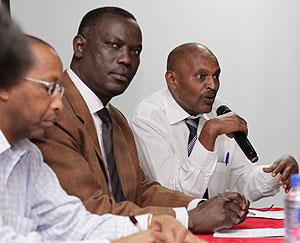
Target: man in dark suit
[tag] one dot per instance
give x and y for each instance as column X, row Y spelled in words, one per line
column 91, row 148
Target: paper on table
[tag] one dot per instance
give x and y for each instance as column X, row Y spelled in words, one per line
column 251, row 233
column 266, row 214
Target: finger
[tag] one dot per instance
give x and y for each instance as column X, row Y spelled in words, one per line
column 244, row 121
column 170, row 235
column 241, row 124
column 270, row 168
column 244, row 129
column 285, row 174
column 231, row 218
column 141, row 237
column 234, row 196
column 286, row 184
column 247, row 205
column 282, row 165
column 190, row 238
column 242, row 219
column 244, row 204
column 159, row 237
column 229, row 114
column 288, row 188
column 235, row 208
column 246, row 210
column 156, row 225
column 180, row 235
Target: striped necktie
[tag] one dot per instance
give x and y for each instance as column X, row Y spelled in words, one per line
column 192, row 124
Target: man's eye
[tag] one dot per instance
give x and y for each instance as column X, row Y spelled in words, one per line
column 112, row 44
column 201, row 76
column 216, row 77
column 135, row 52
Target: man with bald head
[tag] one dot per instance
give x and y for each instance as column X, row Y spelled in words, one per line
column 183, row 145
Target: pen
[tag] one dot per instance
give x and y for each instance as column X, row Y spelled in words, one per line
column 251, row 213
column 224, row 197
column 227, row 158
column 227, row 200
column 135, row 222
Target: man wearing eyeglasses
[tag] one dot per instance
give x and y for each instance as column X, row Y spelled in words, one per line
column 33, row 206
column 44, row 104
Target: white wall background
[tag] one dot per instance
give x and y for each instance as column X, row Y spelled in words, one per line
column 257, row 43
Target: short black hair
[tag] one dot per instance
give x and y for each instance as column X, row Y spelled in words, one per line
column 15, row 54
column 95, row 15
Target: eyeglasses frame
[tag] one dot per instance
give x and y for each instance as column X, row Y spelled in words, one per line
column 56, row 87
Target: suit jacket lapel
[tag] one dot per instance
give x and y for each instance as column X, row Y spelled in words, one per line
column 80, row 109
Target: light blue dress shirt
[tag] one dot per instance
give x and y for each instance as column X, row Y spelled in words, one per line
column 34, row 208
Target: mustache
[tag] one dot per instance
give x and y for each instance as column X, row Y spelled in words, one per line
column 123, row 71
column 210, row 93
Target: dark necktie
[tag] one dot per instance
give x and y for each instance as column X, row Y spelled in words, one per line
column 109, row 152
column 192, row 124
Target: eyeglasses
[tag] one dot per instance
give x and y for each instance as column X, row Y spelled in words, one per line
column 53, row 89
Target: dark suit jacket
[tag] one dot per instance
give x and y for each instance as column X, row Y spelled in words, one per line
column 72, row 150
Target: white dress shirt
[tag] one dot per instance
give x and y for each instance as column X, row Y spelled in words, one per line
column 34, row 208
column 94, row 104
column 162, row 136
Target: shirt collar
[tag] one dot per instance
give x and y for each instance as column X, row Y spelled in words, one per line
column 174, row 111
column 94, row 104
column 10, row 157
column 4, row 144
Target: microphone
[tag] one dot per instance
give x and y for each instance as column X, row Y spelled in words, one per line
column 240, row 138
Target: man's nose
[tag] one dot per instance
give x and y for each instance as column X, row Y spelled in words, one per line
column 125, row 57
column 57, row 103
column 212, row 83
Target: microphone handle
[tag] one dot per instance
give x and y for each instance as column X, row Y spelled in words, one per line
column 242, row 140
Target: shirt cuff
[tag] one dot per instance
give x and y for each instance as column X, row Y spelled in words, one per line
column 143, row 221
column 182, row 216
column 194, row 203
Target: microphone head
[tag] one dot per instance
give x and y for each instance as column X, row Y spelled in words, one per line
column 223, row 109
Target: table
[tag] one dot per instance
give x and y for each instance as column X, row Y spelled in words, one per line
column 251, row 223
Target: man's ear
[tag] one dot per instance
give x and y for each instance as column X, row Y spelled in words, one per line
column 79, row 45
column 4, row 95
column 170, row 77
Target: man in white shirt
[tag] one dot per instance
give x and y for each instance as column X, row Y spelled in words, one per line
column 212, row 160
column 33, row 206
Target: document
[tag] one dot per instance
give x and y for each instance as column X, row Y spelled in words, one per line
column 250, row 233
column 266, row 214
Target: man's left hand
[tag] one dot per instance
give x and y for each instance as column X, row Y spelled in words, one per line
column 286, row 166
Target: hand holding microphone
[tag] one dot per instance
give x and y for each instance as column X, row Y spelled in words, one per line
column 240, row 138
column 231, row 124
